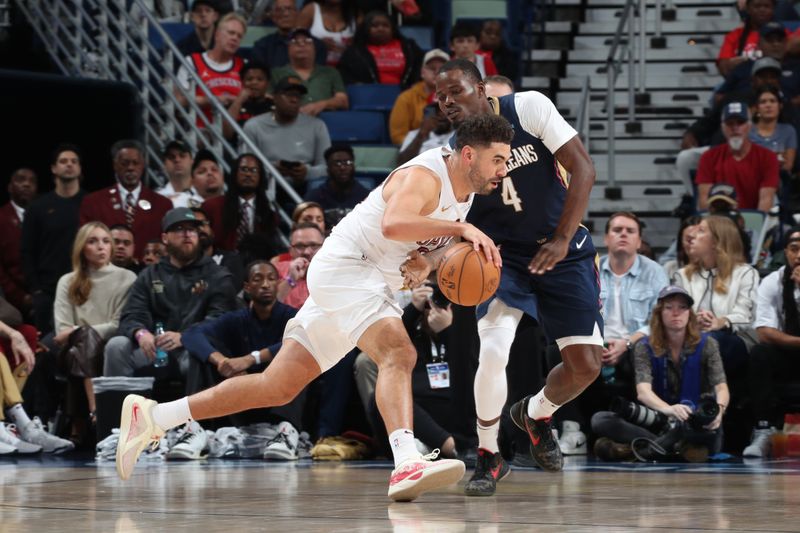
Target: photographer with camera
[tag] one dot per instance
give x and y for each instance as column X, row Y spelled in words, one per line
column 427, row 319
column 681, row 385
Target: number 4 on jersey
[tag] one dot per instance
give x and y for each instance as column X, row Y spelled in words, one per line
column 509, row 194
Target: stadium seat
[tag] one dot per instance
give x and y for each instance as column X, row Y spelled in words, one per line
column 479, row 9
column 372, row 96
column 175, row 30
column 375, row 161
column 422, row 35
column 356, row 126
column 255, row 33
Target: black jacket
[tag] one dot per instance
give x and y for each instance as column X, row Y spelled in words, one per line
column 357, row 64
column 177, row 297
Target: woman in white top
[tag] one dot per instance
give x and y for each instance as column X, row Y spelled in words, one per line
column 332, row 22
column 91, row 295
column 723, row 287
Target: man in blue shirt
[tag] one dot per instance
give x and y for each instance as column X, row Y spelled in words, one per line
column 251, row 337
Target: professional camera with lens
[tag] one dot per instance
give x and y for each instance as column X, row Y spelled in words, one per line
column 640, row 415
column 705, row 413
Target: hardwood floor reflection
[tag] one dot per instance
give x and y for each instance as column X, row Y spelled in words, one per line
column 254, row 496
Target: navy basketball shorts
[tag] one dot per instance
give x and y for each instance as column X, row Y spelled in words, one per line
column 565, row 301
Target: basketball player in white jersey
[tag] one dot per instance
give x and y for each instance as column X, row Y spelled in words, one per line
column 408, row 222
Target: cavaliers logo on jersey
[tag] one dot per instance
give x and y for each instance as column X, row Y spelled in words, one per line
column 430, row 245
column 522, row 155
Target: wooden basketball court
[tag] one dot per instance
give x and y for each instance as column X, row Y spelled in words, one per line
column 53, row 494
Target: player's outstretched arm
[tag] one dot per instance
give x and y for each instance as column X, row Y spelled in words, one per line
column 574, row 158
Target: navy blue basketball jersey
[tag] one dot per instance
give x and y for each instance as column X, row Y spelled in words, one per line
column 524, row 210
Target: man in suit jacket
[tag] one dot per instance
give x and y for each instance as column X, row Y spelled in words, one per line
column 128, row 202
column 22, row 189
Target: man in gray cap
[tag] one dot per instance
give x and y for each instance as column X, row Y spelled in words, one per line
column 752, row 170
column 184, row 288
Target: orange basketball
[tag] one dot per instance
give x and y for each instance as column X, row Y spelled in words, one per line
column 465, row 276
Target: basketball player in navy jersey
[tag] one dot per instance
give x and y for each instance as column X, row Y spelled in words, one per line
column 549, row 265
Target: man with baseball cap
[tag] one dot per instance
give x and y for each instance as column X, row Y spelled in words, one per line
column 204, row 16
column 274, row 48
column 752, row 170
column 294, row 142
column 410, row 105
column 184, row 288
column 326, row 89
column 177, row 160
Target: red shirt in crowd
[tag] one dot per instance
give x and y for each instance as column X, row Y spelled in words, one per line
column 390, row 61
column 758, row 169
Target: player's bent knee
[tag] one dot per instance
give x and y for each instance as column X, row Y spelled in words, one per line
column 402, row 358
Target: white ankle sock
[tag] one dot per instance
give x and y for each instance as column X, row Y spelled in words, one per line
column 540, row 407
column 487, row 437
column 403, row 446
column 172, row 414
column 18, row 415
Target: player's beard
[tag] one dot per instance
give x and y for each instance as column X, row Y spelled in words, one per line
column 479, row 184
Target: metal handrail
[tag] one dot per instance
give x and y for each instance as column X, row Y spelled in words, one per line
column 103, row 38
column 613, row 68
column 582, row 116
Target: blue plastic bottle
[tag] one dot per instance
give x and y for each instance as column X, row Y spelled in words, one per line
column 162, row 359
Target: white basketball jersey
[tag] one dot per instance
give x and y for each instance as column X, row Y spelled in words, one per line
column 361, row 228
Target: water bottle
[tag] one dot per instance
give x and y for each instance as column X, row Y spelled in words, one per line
column 161, row 355
column 607, row 371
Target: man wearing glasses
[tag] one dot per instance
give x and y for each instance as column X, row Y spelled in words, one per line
column 340, row 192
column 305, row 241
column 326, row 90
column 184, row 288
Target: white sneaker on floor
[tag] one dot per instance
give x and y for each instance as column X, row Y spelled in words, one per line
column 35, row 433
column 573, row 440
column 137, row 432
column 10, row 436
column 416, row 476
column 191, row 445
column 761, row 444
column 283, row 447
column 7, row 449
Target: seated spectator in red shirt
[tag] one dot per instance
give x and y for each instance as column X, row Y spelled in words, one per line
column 127, row 202
column 219, row 68
column 304, row 212
column 306, row 240
column 464, row 42
column 244, row 212
column 750, row 168
column 493, row 47
column 380, row 54
column 22, row 189
column 741, row 43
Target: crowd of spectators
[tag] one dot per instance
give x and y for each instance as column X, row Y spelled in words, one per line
column 101, row 283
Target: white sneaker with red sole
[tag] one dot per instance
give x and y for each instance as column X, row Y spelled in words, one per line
column 423, row 474
column 137, row 432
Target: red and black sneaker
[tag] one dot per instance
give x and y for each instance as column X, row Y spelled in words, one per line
column 544, row 446
column 489, row 469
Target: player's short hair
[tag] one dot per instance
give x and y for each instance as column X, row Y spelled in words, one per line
column 483, row 130
column 626, row 214
column 464, row 65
